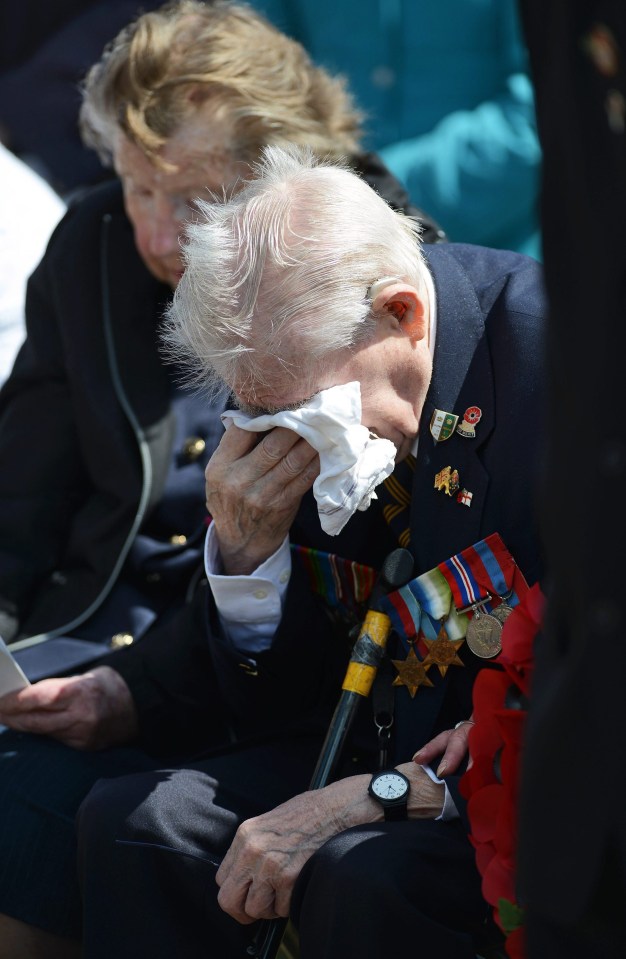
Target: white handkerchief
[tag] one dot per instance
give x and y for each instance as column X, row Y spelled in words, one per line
column 11, row 675
column 352, row 461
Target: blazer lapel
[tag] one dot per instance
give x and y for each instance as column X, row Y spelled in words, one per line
column 462, row 377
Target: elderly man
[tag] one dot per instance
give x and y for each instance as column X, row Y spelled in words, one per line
column 322, row 295
column 102, row 511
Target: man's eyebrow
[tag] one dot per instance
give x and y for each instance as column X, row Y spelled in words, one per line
column 251, row 410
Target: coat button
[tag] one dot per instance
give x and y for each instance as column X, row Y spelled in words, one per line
column 179, row 539
column 120, row 640
column 249, row 670
column 193, row 448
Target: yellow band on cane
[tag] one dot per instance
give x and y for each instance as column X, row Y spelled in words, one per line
column 359, row 678
column 377, row 626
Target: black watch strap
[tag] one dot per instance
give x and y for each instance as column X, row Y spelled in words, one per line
column 395, row 812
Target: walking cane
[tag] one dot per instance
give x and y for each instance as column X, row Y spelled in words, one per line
column 366, row 656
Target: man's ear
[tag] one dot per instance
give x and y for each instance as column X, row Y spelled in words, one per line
column 402, row 301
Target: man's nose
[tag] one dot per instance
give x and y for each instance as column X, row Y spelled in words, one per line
column 164, row 231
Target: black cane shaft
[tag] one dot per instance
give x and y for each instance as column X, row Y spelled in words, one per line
column 335, row 738
column 368, row 649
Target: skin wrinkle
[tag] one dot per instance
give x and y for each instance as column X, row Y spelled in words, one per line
column 159, row 202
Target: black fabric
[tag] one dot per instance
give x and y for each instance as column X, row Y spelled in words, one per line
column 133, row 832
column 42, row 784
column 568, row 820
column 419, row 882
column 597, row 931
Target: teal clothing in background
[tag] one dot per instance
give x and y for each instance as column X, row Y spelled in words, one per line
column 448, row 103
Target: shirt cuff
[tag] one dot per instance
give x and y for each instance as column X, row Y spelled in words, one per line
column 249, row 607
column 449, row 810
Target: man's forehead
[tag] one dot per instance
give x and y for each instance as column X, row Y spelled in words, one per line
column 189, row 162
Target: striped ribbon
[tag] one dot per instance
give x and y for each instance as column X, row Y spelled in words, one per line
column 395, row 496
column 344, row 584
column 485, row 568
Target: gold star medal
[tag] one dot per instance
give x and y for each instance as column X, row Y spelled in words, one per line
column 411, row 672
column 442, row 652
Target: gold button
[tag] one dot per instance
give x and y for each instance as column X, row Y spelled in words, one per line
column 193, row 448
column 250, row 670
column 178, row 540
column 122, row 639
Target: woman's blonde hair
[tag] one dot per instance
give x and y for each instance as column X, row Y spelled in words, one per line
column 225, row 57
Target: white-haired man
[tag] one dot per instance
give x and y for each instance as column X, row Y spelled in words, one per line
column 320, row 286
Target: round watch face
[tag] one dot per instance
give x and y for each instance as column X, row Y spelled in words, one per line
column 389, row 786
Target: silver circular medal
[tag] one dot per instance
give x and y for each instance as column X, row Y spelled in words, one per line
column 502, row 613
column 483, row 635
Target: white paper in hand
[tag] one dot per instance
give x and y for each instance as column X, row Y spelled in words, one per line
column 11, row 675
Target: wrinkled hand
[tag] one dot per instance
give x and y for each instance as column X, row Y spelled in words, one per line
column 253, row 491
column 258, row 873
column 452, row 743
column 90, row 711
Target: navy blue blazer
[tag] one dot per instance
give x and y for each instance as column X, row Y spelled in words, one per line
column 490, row 313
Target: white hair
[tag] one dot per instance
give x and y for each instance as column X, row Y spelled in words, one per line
column 277, row 279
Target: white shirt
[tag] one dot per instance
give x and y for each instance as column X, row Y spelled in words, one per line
column 29, row 211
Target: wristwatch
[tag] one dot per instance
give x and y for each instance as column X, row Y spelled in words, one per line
column 391, row 789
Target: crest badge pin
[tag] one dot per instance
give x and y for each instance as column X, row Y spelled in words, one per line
column 442, row 425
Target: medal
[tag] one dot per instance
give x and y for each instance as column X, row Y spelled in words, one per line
column 502, row 612
column 471, row 417
column 453, row 601
column 484, row 635
column 442, row 425
column 442, row 652
column 411, row 673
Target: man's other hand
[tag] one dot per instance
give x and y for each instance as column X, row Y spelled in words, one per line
column 253, row 491
column 90, row 711
column 258, row 873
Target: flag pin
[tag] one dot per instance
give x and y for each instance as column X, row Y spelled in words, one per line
column 464, row 497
